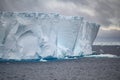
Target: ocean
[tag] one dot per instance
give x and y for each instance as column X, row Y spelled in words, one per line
column 84, row 68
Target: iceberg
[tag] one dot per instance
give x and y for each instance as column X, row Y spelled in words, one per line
column 27, row 35
column 103, row 55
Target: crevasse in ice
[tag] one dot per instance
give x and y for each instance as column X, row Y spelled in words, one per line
column 28, row 35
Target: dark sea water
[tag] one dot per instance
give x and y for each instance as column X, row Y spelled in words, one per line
column 107, row 49
column 83, row 68
column 79, row 69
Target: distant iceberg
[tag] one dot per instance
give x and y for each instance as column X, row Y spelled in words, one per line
column 28, row 35
column 103, row 55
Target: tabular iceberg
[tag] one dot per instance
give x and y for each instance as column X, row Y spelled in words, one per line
column 28, row 35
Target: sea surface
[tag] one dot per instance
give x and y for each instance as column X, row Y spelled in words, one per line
column 83, row 68
column 76, row 69
column 107, row 49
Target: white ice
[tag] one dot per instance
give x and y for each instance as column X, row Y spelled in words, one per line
column 29, row 35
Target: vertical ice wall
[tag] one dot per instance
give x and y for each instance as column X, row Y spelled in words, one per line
column 27, row 35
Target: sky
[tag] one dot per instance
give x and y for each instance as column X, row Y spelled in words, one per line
column 104, row 12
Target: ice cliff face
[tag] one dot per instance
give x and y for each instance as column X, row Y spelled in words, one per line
column 29, row 35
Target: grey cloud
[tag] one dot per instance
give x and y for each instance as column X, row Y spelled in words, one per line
column 77, row 2
column 108, row 36
column 107, row 12
column 21, row 5
column 104, row 9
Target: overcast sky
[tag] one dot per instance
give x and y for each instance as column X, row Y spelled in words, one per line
column 104, row 12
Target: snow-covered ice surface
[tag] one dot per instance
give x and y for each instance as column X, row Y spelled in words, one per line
column 44, row 35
